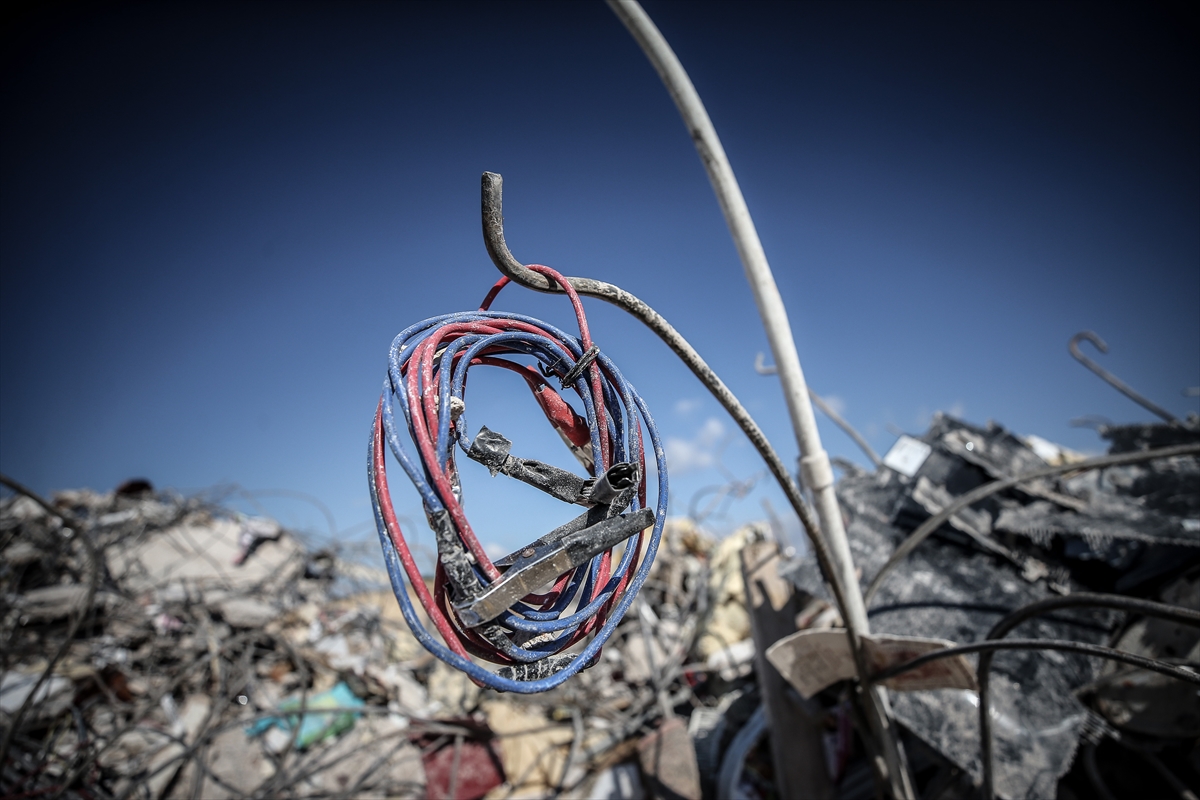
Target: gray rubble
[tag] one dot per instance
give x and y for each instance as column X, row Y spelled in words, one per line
column 216, row 655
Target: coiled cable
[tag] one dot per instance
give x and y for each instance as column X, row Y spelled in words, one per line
column 426, row 381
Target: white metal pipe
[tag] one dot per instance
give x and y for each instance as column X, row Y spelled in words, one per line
column 816, row 472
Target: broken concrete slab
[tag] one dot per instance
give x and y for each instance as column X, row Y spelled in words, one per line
column 50, row 603
column 53, row 697
column 200, row 556
column 246, row 612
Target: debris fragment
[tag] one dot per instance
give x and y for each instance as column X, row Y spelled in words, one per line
column 314, row 724
column 1094, row 531
column 816, row 659
column 668, row 760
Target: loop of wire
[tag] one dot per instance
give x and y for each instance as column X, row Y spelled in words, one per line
column 427, row 379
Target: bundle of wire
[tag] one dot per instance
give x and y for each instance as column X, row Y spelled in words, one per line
column 427, row 378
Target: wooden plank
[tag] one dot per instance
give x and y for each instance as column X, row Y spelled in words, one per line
column 797, row 750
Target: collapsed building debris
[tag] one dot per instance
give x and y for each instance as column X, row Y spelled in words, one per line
column 162, row 647
column 155, row 633
column 1131, row 529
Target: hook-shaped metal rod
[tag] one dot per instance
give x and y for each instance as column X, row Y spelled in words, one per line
column 1109, row 378
column 492, row 208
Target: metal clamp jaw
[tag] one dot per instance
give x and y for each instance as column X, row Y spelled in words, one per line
column 492, row 450
column 567, row 546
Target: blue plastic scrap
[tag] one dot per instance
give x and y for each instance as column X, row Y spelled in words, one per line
column 314, row 724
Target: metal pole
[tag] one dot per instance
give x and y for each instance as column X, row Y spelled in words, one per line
column 815, row 470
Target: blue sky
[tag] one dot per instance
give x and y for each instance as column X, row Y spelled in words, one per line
column 214, row 219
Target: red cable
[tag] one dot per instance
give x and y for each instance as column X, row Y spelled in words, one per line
column 421, row 388
column 393, row 528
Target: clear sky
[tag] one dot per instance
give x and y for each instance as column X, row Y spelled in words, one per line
column 215, row 217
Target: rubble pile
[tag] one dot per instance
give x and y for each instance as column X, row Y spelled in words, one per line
column 162, row 647
column 156, row 636
column 1131, row 530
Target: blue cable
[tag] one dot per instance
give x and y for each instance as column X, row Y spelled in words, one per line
column 558, row 352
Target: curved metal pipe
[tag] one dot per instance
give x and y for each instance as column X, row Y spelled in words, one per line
column 815, row 469
column 735, row 755
column 1109, row 378
column 1061, row 645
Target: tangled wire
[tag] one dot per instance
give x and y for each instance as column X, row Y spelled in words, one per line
column 478, row 609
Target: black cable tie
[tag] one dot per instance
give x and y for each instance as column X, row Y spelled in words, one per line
column 490, row 449
column 583, row 363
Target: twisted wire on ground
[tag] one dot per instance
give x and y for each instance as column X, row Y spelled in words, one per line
column 41, row 763
column 85, row 610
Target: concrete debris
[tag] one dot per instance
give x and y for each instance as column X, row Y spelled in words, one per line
column 533, row 749
column 374, row 760
column 622, row 782
column 727, row 621
column 166, row 762
column 219, row 657
column 201, row 555
column 1122, row 529
column 733, row 662
column 50, row 603
column 451, row 692
column 202, row 623
column 50, row 699
column 641, row 659
column 246, row 612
